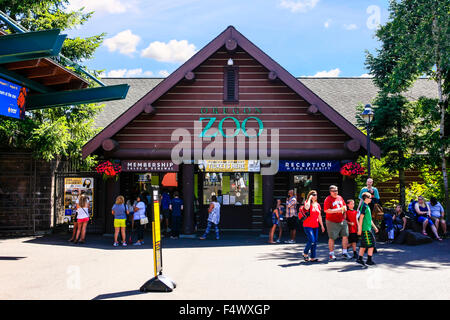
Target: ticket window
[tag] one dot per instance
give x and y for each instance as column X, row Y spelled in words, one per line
column 302, row 185
column 230, row 188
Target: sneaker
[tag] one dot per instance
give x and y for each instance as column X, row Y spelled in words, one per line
column 124, row 244
column 172, row 237
column 347, row 256
column 217, row 238
column 289, row 241
column 278, row 241
column 115, row 244
column 370, row 263
column 331, row 257
column 202, row 238
column 137, row 244
column 361, row 262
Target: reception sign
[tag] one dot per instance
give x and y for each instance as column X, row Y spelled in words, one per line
column 149, row 166
column 12, row 99
column 229, row 165
column 309, row 166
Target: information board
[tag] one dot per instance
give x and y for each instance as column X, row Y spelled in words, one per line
column 12, row 99
column 73, row 188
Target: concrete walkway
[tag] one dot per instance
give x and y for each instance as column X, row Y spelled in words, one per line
column 240, row 266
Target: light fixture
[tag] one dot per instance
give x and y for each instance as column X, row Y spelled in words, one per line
column 230, row 62
column 367, row 114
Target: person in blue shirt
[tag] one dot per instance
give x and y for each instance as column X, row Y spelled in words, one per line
column 176, row 206
column 165, row 209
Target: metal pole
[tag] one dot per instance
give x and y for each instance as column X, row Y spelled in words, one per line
column 368, row 148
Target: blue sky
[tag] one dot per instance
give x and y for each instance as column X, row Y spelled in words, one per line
column 307, row 37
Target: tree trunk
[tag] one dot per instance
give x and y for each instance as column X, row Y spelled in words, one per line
column 442, row 136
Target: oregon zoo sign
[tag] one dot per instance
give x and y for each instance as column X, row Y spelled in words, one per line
column 239, row 125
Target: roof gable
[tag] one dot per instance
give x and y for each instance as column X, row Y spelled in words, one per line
column 228, row 37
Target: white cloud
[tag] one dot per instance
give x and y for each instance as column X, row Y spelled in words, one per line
column 324, row 74
column 299, row 5
column 125, row 42
column 125, row 73
column 108, row 6
column 366, row 75
column 350, row 26
column 164, row 73
column 327, row 23
column 174, row 51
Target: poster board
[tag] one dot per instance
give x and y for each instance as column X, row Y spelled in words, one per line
column 73, row 188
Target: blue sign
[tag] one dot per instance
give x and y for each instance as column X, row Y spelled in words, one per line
column 309, row 166
column 12, row 99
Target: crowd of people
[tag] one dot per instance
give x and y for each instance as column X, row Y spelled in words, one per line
column 342, row 221
column 353, row 226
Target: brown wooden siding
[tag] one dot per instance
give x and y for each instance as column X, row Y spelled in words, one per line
column 280, row 107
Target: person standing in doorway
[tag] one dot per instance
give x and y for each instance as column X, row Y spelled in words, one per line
column 213, row 218
column 176, row 205
column 139, row 213
column 291, row 216
column 311, row 225
column 165, row 210
column 277, row 216
column 337, row 226
column 82, row 217
column 120, row 212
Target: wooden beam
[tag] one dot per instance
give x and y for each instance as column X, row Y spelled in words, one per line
column 352, row 145
column 42, row 72
column 110, row 145
column 61, row 79
column 313, row 109
column 272, row 76
column 231, row 45
column 23, row 64
column 190, row 76
column 19, row 79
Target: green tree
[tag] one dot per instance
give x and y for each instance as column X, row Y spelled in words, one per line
column 415, row 42
column 56, row 132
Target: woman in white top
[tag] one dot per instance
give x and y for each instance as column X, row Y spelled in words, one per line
column 213, row 218
column 139, row 213
column 82, row 217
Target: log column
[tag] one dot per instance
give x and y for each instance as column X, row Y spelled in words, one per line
column 188, row 198
column 268, row 184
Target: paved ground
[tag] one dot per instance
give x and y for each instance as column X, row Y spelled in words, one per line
column 237, row 267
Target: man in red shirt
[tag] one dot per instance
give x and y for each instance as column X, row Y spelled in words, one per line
column 337, row 226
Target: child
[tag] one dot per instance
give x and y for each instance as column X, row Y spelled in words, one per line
column 365, row 225
column 352, row 226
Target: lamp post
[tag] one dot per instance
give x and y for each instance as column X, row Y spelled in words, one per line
column 367, row 116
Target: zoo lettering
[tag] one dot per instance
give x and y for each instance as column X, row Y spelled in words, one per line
column 239, row 126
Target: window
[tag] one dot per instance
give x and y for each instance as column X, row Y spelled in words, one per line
column 231, row 84
column 230, row 188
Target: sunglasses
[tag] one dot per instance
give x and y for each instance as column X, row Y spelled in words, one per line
column 314, row 194
column 333, row 191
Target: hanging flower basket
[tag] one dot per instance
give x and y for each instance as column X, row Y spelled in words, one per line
column 109, row 170
column 352, row 169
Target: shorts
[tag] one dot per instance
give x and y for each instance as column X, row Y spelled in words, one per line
column 165, row 213
column 83, row 220
column 367, row 239
column 352, row 238
column 420, row 219
column 336, row 230
column 436, row 218
column 120, row 223
column 292, row 223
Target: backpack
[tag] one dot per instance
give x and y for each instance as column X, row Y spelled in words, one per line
column 411, row 209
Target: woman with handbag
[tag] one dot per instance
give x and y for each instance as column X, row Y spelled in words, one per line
column 313, row 213
column 82, row 218
column 139, row 220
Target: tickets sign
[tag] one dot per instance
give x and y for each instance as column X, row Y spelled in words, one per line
column 229, row 165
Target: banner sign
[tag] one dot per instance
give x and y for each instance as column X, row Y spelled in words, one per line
column 309, row 166
column 73, row 188
column 229, row 165
column 149, row 166
column 12, row 99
